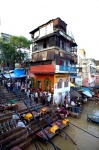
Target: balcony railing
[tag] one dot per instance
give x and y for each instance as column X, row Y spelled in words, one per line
column 73, row 69
column 68, row 69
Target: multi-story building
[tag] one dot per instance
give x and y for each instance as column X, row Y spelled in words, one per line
column 81, row 55
column 88, row 72
column 5, row 37
column 54, row 57
column 86, row 69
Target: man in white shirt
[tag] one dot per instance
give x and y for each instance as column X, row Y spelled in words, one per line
column 36, row 97
column 73, row 106
column 9, row 86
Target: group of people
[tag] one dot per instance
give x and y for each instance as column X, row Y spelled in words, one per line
column 70, row 104
column 35, row 96
column 18, row 86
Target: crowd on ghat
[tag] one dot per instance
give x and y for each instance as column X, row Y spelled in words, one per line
column 44, row 97
column 35, row 95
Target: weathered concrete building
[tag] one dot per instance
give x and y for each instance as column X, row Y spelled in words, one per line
column 54, row 57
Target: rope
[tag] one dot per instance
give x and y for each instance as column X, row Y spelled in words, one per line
column 48, row 138
column 68, row 136
column 84, row 130
column 66, row 133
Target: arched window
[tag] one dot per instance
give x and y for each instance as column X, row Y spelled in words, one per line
column 66, row 83
column 47, row 84
column 59, row 84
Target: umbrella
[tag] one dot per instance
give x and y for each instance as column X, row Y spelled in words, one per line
column 75, row 94
column 86, row 89
column 87, row 93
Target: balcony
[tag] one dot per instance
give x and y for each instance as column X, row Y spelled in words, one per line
column 65, row 69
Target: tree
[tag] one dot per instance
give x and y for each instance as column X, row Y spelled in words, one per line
column 6, row 53
column 11, row 52
column 19, row 42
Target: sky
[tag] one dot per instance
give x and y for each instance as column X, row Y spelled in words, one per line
column 19, row 17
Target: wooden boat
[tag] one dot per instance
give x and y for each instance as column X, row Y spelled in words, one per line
column 73, row 114
column 12, row 135
column 55, row 129
column 5, row 107
column 93, row 118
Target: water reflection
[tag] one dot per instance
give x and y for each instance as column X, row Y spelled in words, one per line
column 84, row 140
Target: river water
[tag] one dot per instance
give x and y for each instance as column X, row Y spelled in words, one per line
column 83, row 140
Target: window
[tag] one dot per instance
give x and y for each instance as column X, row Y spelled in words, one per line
column 66, row 63
column 66, row 82
column 59, row 84
column 80, row 69
column 44, row 45
column 62, row 45
column 61, row 62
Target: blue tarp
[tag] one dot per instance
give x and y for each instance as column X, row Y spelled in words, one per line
column 86, row 89
column 12, row 75
column 19, row 72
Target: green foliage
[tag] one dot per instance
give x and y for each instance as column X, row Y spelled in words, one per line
column 10, row 52
column 19, row 42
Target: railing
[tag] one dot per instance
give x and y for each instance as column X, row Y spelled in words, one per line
column 64, row 68
column 68, row 69
column 73, row 69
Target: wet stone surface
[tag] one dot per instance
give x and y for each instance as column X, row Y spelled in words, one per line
column 83, row 140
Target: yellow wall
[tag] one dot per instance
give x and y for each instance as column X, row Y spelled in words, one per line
column 61, row 76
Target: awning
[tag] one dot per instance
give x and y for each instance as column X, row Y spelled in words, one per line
column 19, row 72
column 86, row 89
column 12, row 75
column 87, row 93
column 75, row 94
column 44, row 69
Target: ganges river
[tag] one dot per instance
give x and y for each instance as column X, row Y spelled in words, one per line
column 83, row 140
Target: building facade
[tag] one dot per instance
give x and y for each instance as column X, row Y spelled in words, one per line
column 87, row 69
column 5, row 37
column 54, row 57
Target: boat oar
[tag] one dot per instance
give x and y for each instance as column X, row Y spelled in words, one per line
column 84, row 130
column 48, row 138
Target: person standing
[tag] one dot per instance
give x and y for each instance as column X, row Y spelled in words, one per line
column 3, row 83
column 73, row 105
column 9, row 86
column 41, row 96
column 66, row 102
column 19, row 85
column 36, row 96
column 68, row 96
column 48, row 100
column 43, row 99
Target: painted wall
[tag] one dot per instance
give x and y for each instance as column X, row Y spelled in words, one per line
column 46, row 29
column 41, row 77
column 62, row 90
column 54, row 84
column 36, row 34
